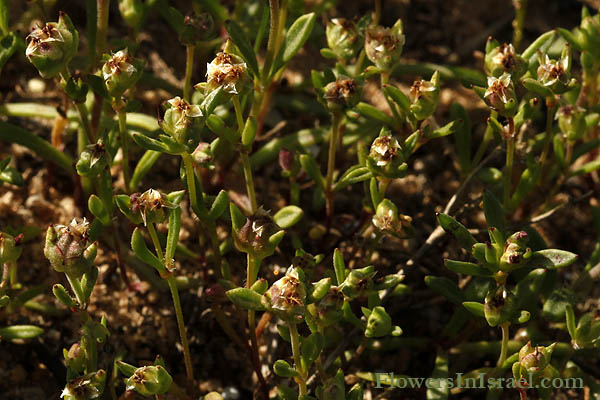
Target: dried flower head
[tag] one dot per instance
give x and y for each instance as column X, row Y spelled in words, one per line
column 68, row 248
column 554, row 74
column 150, row 380
column 288, row 296
column 120, row 72
column 424, row 96
column 500, row 95
column 384, row 45
column 342, row 93
column 385, row 157
column 227, row 71
column 179, row 117
column 87, row 387
column 151, row 206
column 343, row 38
column 254, row 236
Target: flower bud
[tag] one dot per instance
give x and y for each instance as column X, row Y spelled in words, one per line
column 343, row 38
column 534, row 362
column 132, row 12
column 385, row 157
column 554, row 74
column 75, row 358
column 150, row 380
column 10, row 250
column 379, row 323
column 227, row 71
column 500, row 95
column 386, row 218
column 358, row 282
column 571, row 120
column 255, row 236
column 515, row 253
column 120, row 72
column 503, row 59
column 328, row 310
column 66, row 247
column 288, row 162
column 92, row 160
column 499, row 306
column 288, row 296
column 179, row 117
column 51, row 47
column 151, row 206
column 197, row 27
column 341, row 94
column 87, row 387
column 424, row 96
column 384, row 45
column 203, row 156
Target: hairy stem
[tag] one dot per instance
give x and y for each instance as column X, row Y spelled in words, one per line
column 155, row 241
column 272, row 41
column 102, row 23
column 189, row 69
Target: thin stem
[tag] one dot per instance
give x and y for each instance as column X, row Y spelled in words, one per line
column 333, row 140
column 76, row 286
column 91, row 349
column 154, row 237
column 123, row 138
column 510, row 155
column 238, row 114
column 12, row 267
column 249, row 181
column 504, row 345
column 377, row 16
column 550, row 105
column 253, row 265
column 295, row 338
column 189, row 69
column 294, row 191
column 191, row 182
column 181, row 325
column 487, row 138
column 272, row 41
column 102, row 23
column 520, row 13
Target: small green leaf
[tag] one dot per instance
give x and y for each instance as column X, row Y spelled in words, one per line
column 398, row 96
column 4, row 14
column 526, row 184
column 20, row 332
column 245, row 298
column 148, row 143
column 142, row 168
column 96, row 207
column 240, row 38
column 294, row 39
column 536, row 87
column 552, row 258
column 249, row 132
column 320, row 289
column 462, row 137
column 173, row 235
column 260, row 286
column 587, row 168
column 97, row 85
column 288, row 216
column 63, row 296
column 312, row 169
column 237, row 218
column 537, row 43
column 211, row 101
column 466, row 268
column 570, row 317
column 459, row 231
column 354, row 174
column 339, row 266
column 440, row 375
column 218, row 126
column 475, row 308
column 125, row 369
column 283, row 369
column 142, row 252
column 88, row 281
column 554, row 308
column 219, row 205
column 373, row 113
column 311, row 348
column 571, row 38
column 445, row 287
column 445, row 130
column 494, row 212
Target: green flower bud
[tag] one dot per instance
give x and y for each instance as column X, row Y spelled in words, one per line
column 503, row 59
column 534, row 362
column 227, row 71
column 385, row 157
column 75, row 358
column 87, row 387
column 379, row 323
column 92, row 160
column 328, row 310
column 287, row 296
column 51, row 47
column 343, row 38
column 500, row 95
column 203, row 156
column 151, row 206
column 255, row 236
column 120, row 72
column 10, row 250
column 179, row 117
column 554, row 74
column 341, row 94
column 384, row 45
column 425, row 96
column 68, row 248
column 571, row 120
column 197, row 27
column 132, row 12
column 499, row 306
column 150, row 380
column 358, row 282
column 515, row 253
column 386, row 218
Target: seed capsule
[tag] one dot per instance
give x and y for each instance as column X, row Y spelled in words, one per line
column 384, row 45
column 227, row 71
column 500, row 95
column 120, row 72
column 150, row 380
column 68, row 248
column 343, row 38
column 179, row 117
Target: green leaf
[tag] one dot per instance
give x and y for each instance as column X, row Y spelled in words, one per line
column 494, row 212
column 142, row 168
column 13, row 134
column 288, row 216
column 173, row 235
column 440, row 375
column 373, row 113
column 445, row 287
column 125, row 369
column 294, row 39
column 63, row 296
column 237, row 218
column 536, row 87
column 398, row 96
column 554, row 308
column 571, row 38
column 311, row 348
column 4, row 14
column 148, row 143
column 466, row 268
column 570, row 317
column 459, row 231
column 537, row 43
column 339, row 266
column 9, row 45
column 240, row 39
column 262, row 28
column 445, row 130
column 219, row 205
column 245, row 298
column 88, row 281
column 97, row 85
column 20, row 332
column 96, row 207
column 249, row 132
column 211, row 101
column 552, row 258
column 312, row 169
column 526, row 184
column 475, row 308
column 172, row 16
column 138, row 245
column 354, row 174
column 11, row 175
column 283, row 369
column 587, row 168
column 218, row 126
column 462, row 137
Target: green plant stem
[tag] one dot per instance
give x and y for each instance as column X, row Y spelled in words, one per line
column 377, row 16
column 295, row 338
column 504, row 348
column 487, row 138
column 76, row 286
column 12, row 268
column 85, row 122
column 188, row 164
column 247, row 168
column 520, row 13
column 91, row 349
column 123, row 138
column 102, row 24
column 181, row 325
column 550, row 105
column 333, row 142
column 272, row 41
column 189, row 69
column 510, row 155
column 155, row 241
column 253, row 265
column 385, row 79
column 294, row 191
